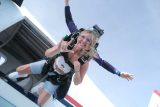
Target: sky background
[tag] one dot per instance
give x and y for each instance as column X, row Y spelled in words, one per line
column 131, row 42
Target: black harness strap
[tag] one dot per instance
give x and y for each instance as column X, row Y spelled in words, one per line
column 57, row 79
column 63, row 81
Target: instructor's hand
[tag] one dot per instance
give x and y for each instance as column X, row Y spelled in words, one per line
column 127, row 76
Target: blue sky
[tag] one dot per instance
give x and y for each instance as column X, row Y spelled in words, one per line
column 131, row 42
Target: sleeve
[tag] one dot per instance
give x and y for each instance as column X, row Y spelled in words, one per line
column 69, row 21
column 106, row 65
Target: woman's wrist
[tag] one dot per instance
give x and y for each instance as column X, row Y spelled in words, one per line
column 76, row 71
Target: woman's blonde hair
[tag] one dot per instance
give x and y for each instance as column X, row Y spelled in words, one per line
column 94, row 40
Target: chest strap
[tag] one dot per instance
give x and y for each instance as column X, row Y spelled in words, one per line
column 58, row 79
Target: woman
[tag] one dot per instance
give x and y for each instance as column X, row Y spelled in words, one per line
column 73, row 28
column 64, row 64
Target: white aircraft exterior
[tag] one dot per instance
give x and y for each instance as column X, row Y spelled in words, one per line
column 155, row 99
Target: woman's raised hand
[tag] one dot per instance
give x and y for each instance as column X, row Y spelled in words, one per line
column 63, row 46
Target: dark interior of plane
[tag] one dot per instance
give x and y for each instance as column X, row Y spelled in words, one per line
column 22, row 43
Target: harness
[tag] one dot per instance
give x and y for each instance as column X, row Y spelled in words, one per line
column 57, row 79
column 73, row 36
column 64, row 80
column 84, row 58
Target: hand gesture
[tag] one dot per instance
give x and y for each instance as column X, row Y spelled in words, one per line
column 63, row 46
column 127, row 76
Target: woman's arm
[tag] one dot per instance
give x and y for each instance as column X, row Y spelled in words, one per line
column 60, row 47
column 80, row 71
column 68, row 17
column 52, row 51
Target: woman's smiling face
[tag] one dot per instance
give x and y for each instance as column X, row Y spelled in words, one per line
column 84, row 40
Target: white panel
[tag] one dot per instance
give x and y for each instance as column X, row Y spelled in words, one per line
column 87, row 94
column 9, row 14
column 13, row 96
column 155, row 100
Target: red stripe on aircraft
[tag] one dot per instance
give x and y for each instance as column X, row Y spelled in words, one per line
column 157, row 92
column 75, row 103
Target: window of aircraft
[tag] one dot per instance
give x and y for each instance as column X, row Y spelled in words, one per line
column 3, row 59
column 5, row 103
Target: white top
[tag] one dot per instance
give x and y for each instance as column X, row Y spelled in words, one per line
column 61, row 66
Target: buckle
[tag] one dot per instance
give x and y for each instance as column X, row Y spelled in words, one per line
column 59, row 80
